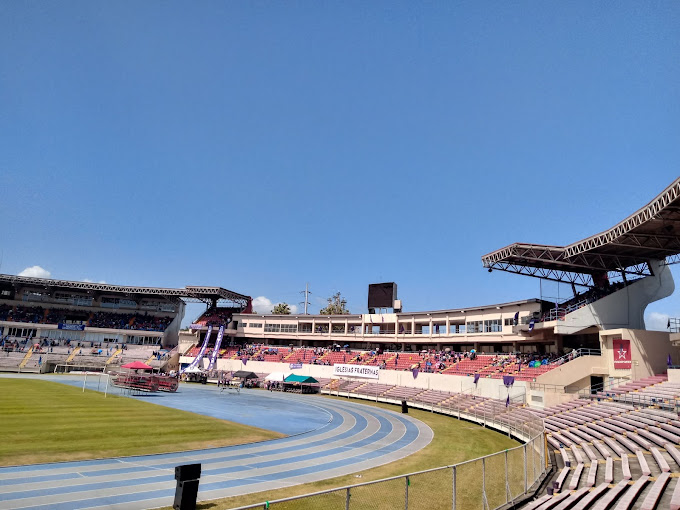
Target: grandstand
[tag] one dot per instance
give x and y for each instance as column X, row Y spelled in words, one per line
column 45, row 323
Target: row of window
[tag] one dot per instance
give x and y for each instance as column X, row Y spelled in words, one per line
column 485, row 326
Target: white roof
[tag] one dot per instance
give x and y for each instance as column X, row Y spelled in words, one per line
column 277, row 376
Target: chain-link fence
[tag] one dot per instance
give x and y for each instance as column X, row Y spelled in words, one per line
column 485, row 483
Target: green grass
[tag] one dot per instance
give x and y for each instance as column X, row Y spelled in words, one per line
column 454, row 442
column 44, row 421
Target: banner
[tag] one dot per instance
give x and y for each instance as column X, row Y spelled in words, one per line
column 216, row 350
column 196, row 326
column 71, row 327
column 622, row 357
column 369, row 372
column 201, row 353
column 293, row 366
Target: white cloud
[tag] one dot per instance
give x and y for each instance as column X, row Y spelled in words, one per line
column 262, row 304
column 87, row 280
column 656, row 321
column 35, row 272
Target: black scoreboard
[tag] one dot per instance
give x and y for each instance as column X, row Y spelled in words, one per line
column 382, row 295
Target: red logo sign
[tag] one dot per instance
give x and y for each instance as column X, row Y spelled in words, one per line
column 622, row 358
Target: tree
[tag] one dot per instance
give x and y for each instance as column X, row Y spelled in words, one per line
column 336, row 306
column 281, row 309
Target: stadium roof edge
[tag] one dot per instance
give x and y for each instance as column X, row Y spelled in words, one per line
column 650, row 233
column 190, row 291
column 404, row 314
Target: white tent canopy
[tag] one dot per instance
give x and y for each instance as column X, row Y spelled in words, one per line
column 193, row 370
column 277, row 376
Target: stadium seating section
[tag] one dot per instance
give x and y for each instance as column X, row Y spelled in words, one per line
column 110, row 320
column 493, row 366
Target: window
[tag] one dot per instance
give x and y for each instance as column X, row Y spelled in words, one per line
column 305, row 328
column 474, row 327
column 244, row 325
column 255, row 324
column 288, row 328
column 508, row 322
column 492, row 326
column 272, row 328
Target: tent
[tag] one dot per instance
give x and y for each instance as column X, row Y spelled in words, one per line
column 193, row 370
column 137, row 365
column 303, row 379
column 243, row 374
column 277, row 376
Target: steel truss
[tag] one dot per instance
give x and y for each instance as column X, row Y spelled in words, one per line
column 199, row 293
column 652, row 233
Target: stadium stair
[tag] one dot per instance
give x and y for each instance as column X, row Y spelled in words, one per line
column 73, row 354
column 26, row 358
column 113, row 356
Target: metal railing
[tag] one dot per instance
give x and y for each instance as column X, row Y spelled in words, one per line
column 576, row 353
column 487, row 483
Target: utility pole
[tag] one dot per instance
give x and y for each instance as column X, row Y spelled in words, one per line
column 306, row 293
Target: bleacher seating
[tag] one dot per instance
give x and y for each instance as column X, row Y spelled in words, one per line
column 109, row 320
column 635, row 444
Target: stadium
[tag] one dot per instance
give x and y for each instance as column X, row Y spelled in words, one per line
column 589, row 395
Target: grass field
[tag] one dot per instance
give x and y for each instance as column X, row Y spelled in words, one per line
column 454, row 441
column 48, row 422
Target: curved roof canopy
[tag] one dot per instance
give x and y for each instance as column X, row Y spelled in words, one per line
column 189, row 292
column 651, row 233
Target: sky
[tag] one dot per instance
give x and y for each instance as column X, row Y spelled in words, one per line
column 260, row 146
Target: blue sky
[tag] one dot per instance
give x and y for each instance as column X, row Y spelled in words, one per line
column 261, row 145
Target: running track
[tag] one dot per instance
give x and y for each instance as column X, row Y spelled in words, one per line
column 327, row 438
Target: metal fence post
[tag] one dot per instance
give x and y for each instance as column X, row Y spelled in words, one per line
column 485, row 503
column 526, row 487
column 453, row 498
column 408, row 482
column 508, row 494
column 347, row 499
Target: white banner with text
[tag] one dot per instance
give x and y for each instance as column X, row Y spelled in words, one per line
column 356, row 371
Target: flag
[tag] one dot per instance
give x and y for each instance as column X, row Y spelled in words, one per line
column 531, row 324
column 401, row 329
column 415, row 372
column 668, row 324
column 516, row 320
column 476, row 378
column 244, row 360
column 669, row 361
column 508, row 380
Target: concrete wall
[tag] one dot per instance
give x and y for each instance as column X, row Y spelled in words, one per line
column 491, row 388
column 624, row 308
column 649, row 352
column 575, row 370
